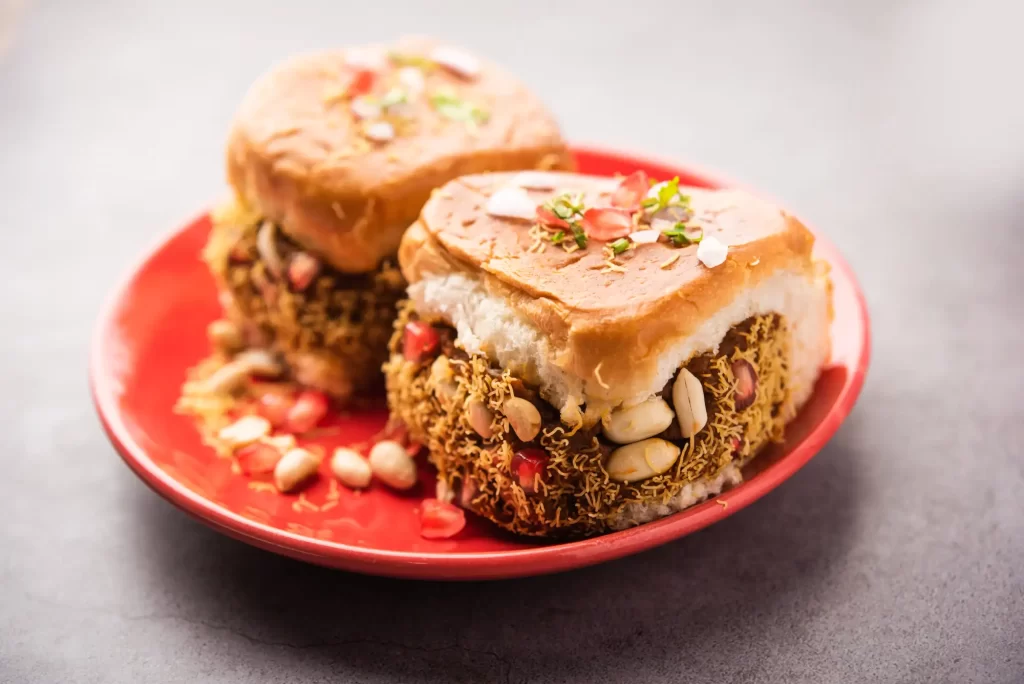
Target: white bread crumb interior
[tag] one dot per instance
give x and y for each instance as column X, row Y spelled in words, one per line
column 485, row 324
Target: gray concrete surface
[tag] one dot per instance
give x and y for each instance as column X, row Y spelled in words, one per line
column 897, row 555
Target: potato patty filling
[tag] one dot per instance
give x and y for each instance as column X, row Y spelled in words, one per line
column 332, row 328
column 504, row 453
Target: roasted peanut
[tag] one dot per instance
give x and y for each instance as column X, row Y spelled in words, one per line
column 265, row 244
column 523, row 417
column 260, row 362
column 351, row 468
column 442, row 377
column 393, row 465
column 635, row 423
column 245, row 430
column 225, row 336
column 688, row 397
column 480, row 418
column 228, row 378
column 294, row 468
column 641, row 460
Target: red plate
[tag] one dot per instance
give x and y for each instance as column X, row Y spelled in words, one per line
column 153, row 330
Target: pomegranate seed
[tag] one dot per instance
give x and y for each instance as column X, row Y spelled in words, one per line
column 736, row 444
column 360, row 81
column 746, row 383
column 607, row 223
column 302, row 269
column 440, row 520
column 420, row 341
column 308, row 411
column 631, row 192
column 275, row 407
column 528, row 466
column 548, row 218
column 258, row 458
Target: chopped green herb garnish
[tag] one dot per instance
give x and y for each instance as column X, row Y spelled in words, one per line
column 666, row 194
column 402, row 59
column 681, row 234
column 620, row 246
column 570, row 209
column 557, row 238
column 393, row 97
column 451, row 106
column 562, row 211
column 668, row 191
column 578, row 235
column 565, row 206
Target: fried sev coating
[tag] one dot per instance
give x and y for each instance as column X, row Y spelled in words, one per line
column 576, row 497
column 340, row 323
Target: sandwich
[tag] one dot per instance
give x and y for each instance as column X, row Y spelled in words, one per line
column 581, row 354
column 330, row 157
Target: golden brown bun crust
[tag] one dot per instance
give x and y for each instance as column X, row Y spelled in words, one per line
column 595, row 318
column 297, row 154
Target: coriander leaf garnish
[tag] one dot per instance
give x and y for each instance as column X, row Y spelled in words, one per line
column 451, row 106
column 668, row 191
column 665, row 194
column 557, row 238
column 681, row 235
column 620, row 246
column 578, row 235
column 567, row 208
column 403, row 59
column 562, row 211
column 395, row 96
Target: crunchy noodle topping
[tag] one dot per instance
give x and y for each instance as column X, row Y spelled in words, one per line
column 332, row 331
column 671, row 260
column 339, row 321
column 577, row 496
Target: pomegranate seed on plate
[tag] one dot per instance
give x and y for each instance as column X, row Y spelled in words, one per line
column 258, row 458
column 309, row 409
column 548, row 218
column 607, row 223
column 360, row 81
column 420, row 341
column 440, row 520
column 631, row 192
column 275, row 407
column 527, row 466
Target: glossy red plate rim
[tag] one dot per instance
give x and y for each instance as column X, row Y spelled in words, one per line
column 472, row 565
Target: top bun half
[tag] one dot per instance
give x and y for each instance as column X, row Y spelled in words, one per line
column 589, row 328
column 309, row 146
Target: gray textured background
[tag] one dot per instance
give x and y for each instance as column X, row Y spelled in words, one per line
column 897, row 555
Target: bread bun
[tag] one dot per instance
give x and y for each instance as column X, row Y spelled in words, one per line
column 299, row 154
column 588, row 329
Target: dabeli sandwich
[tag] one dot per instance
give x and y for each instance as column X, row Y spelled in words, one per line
column 582, row 354
column 331, row 156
